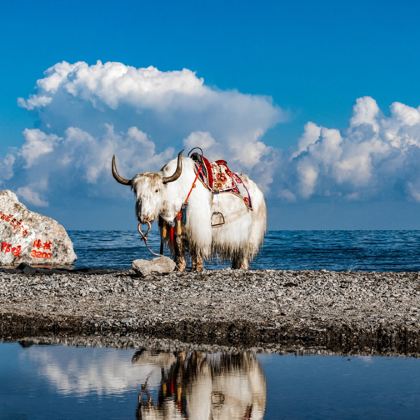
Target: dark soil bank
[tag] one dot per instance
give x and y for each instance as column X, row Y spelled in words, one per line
column 340, row 312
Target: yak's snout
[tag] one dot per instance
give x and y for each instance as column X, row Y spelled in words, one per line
column 143, row 216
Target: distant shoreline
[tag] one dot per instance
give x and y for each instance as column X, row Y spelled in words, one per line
column 307, row 311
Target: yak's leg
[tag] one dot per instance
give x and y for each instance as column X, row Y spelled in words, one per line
column 197, row 261
column 244, row 264
column 240, row 262
column 180, row 261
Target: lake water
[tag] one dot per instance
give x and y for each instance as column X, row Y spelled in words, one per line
column 387, row 250
column 64, row 382
column 59, row 382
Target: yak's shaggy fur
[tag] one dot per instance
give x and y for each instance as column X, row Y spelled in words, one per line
column 239, row 239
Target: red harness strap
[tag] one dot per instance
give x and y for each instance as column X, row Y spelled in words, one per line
column 192, row 186
column 178, row 217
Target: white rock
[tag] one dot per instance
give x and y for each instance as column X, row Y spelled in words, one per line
column 31, row 238
column 160, row 265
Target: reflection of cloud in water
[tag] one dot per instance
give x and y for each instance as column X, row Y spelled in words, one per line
column 83, row 371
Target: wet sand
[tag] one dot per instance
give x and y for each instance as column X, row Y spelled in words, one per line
column 303, row 311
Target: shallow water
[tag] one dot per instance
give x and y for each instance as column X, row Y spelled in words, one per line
column 388, row 250
column 51, row 382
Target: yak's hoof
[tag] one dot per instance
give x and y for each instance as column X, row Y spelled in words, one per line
column 181, row 267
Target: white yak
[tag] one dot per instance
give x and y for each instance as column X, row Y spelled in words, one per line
column 162, row 194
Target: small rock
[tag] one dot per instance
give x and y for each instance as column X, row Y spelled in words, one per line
column 160, row 265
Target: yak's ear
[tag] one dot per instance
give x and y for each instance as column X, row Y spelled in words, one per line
column 177, row 172
column 117, row 176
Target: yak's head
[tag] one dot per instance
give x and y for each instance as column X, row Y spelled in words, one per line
column 153, row 195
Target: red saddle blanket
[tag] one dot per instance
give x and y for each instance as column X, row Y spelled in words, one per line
column 218, row 178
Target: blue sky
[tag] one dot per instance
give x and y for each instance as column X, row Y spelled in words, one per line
column 313, row 59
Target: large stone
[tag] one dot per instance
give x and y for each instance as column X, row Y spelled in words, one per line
column 159, row 265
column 31, row 238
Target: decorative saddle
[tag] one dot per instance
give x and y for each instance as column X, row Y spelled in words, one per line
column 218, row 178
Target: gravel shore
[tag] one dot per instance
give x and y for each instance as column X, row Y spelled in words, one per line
column 331, row 311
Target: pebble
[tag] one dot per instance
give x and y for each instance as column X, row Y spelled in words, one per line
column 339, row 311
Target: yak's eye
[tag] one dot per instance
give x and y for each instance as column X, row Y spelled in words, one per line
column 156, row 190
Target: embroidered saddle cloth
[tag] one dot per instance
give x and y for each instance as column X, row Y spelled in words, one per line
column 218, row 178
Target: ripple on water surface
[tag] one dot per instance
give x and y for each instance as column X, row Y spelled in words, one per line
column 287, row 250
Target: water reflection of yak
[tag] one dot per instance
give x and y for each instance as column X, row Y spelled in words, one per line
column 196, row 385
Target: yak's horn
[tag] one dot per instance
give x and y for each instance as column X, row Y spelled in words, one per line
column 177, row 172
column 117, row 176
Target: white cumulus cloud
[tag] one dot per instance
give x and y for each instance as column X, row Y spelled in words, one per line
column 378, row 155
column 37, row 144
column 32, row 196
column 86, row 113
column 6, row 167
column 114, row 84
